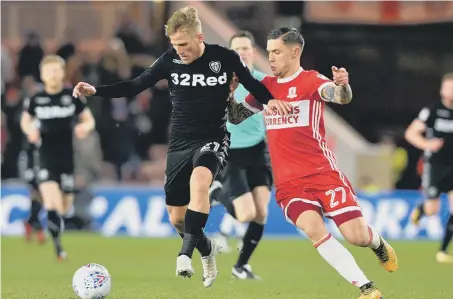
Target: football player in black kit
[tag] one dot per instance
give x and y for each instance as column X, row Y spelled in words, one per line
column 55, row 109
column 436, row 122
column 199, row 75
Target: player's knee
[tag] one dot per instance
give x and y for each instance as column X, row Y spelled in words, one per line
column 261, row 215
column 311, row 223
column 245, row 214
column 177, row 221
column 200, row 180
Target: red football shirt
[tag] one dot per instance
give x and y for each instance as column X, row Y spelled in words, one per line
column 296, row 141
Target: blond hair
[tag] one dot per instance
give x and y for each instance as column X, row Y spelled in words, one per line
column 52, row 59
column 447, row 76
column 184, row 19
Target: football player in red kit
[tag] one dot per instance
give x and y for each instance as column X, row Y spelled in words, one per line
column 309, row 185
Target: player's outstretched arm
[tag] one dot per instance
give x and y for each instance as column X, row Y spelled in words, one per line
column 147, row 79
column 339, row 91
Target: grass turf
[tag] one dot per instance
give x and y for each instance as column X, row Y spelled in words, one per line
column 145, row 268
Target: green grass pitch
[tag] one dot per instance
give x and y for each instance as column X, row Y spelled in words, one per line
column 145, row 268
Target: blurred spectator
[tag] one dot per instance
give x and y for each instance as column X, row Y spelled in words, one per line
column 129, row 34
column 7, row 74
column 153, row 172
column 67, row 44
column 30, row 56
column 12, row 110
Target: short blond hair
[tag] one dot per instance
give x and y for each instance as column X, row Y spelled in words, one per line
column 52, row 59
column 447, row 76
column 184, row 19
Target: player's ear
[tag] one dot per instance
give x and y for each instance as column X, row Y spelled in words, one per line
column 200, row 37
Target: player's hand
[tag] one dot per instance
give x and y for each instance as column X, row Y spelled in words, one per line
column 282, row 107
column 83, row 89
column 34, row 136
column 340, row 76
column 434, row 144
column 81, row 131
column 234, row 83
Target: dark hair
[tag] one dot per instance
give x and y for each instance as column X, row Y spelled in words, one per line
column 243, row 33
column 288, row 36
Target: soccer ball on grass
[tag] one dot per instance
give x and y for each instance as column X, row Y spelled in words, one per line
column 91, row 281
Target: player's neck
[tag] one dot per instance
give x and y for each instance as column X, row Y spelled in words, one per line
column 53, row 89
column 447, row 103
column 202, row 49
column 290, row 73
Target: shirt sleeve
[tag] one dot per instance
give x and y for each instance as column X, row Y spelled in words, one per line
column 253, row 85
column 147, row 79
column 425, row 116
column 251, row 103
column 28, row 106
column 318, row 82
column 80, row 105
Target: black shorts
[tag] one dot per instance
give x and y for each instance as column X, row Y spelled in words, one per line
column 57, row 165
column 437, row 179
column 247, row 169
column 180, row 164
column 31, row 166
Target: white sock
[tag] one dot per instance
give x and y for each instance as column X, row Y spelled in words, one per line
column 341, row 260
column 375, row 240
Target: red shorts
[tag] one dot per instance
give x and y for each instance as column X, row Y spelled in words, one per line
column 329, row 193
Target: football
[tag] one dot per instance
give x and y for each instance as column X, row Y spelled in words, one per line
column 92, row 281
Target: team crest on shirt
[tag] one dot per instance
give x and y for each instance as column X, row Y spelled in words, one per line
column 443, row 113
column 292, row 93
column 215, row 66
column 66, row 100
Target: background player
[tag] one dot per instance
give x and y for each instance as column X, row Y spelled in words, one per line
column 199, row 75
column 247, row 178
column 436, row 123
column 308, row 182
column 55, row 109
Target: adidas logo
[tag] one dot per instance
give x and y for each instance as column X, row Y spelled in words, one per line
column 178, row 61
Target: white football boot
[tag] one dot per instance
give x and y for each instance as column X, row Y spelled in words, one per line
column 209, row 263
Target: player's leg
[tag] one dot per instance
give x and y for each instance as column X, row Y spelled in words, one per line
column 235, row 195
column 306, row 214
column 260, row 182
column 430, row 184
column 442, row 256
column 32, row 223
column 207, row 165
column 339, row 202
column 52, row 202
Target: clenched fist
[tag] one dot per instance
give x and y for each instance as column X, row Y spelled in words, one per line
column 340, row 76
column 83, row 89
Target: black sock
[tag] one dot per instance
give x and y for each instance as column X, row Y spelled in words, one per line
column 194, row 236
column 201, row 245
column 33, row 220
column 448, row 234
column 55, row 227
column 251, row 240
column 421, row 209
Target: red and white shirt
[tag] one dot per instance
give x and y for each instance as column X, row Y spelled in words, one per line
column 296, row 141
